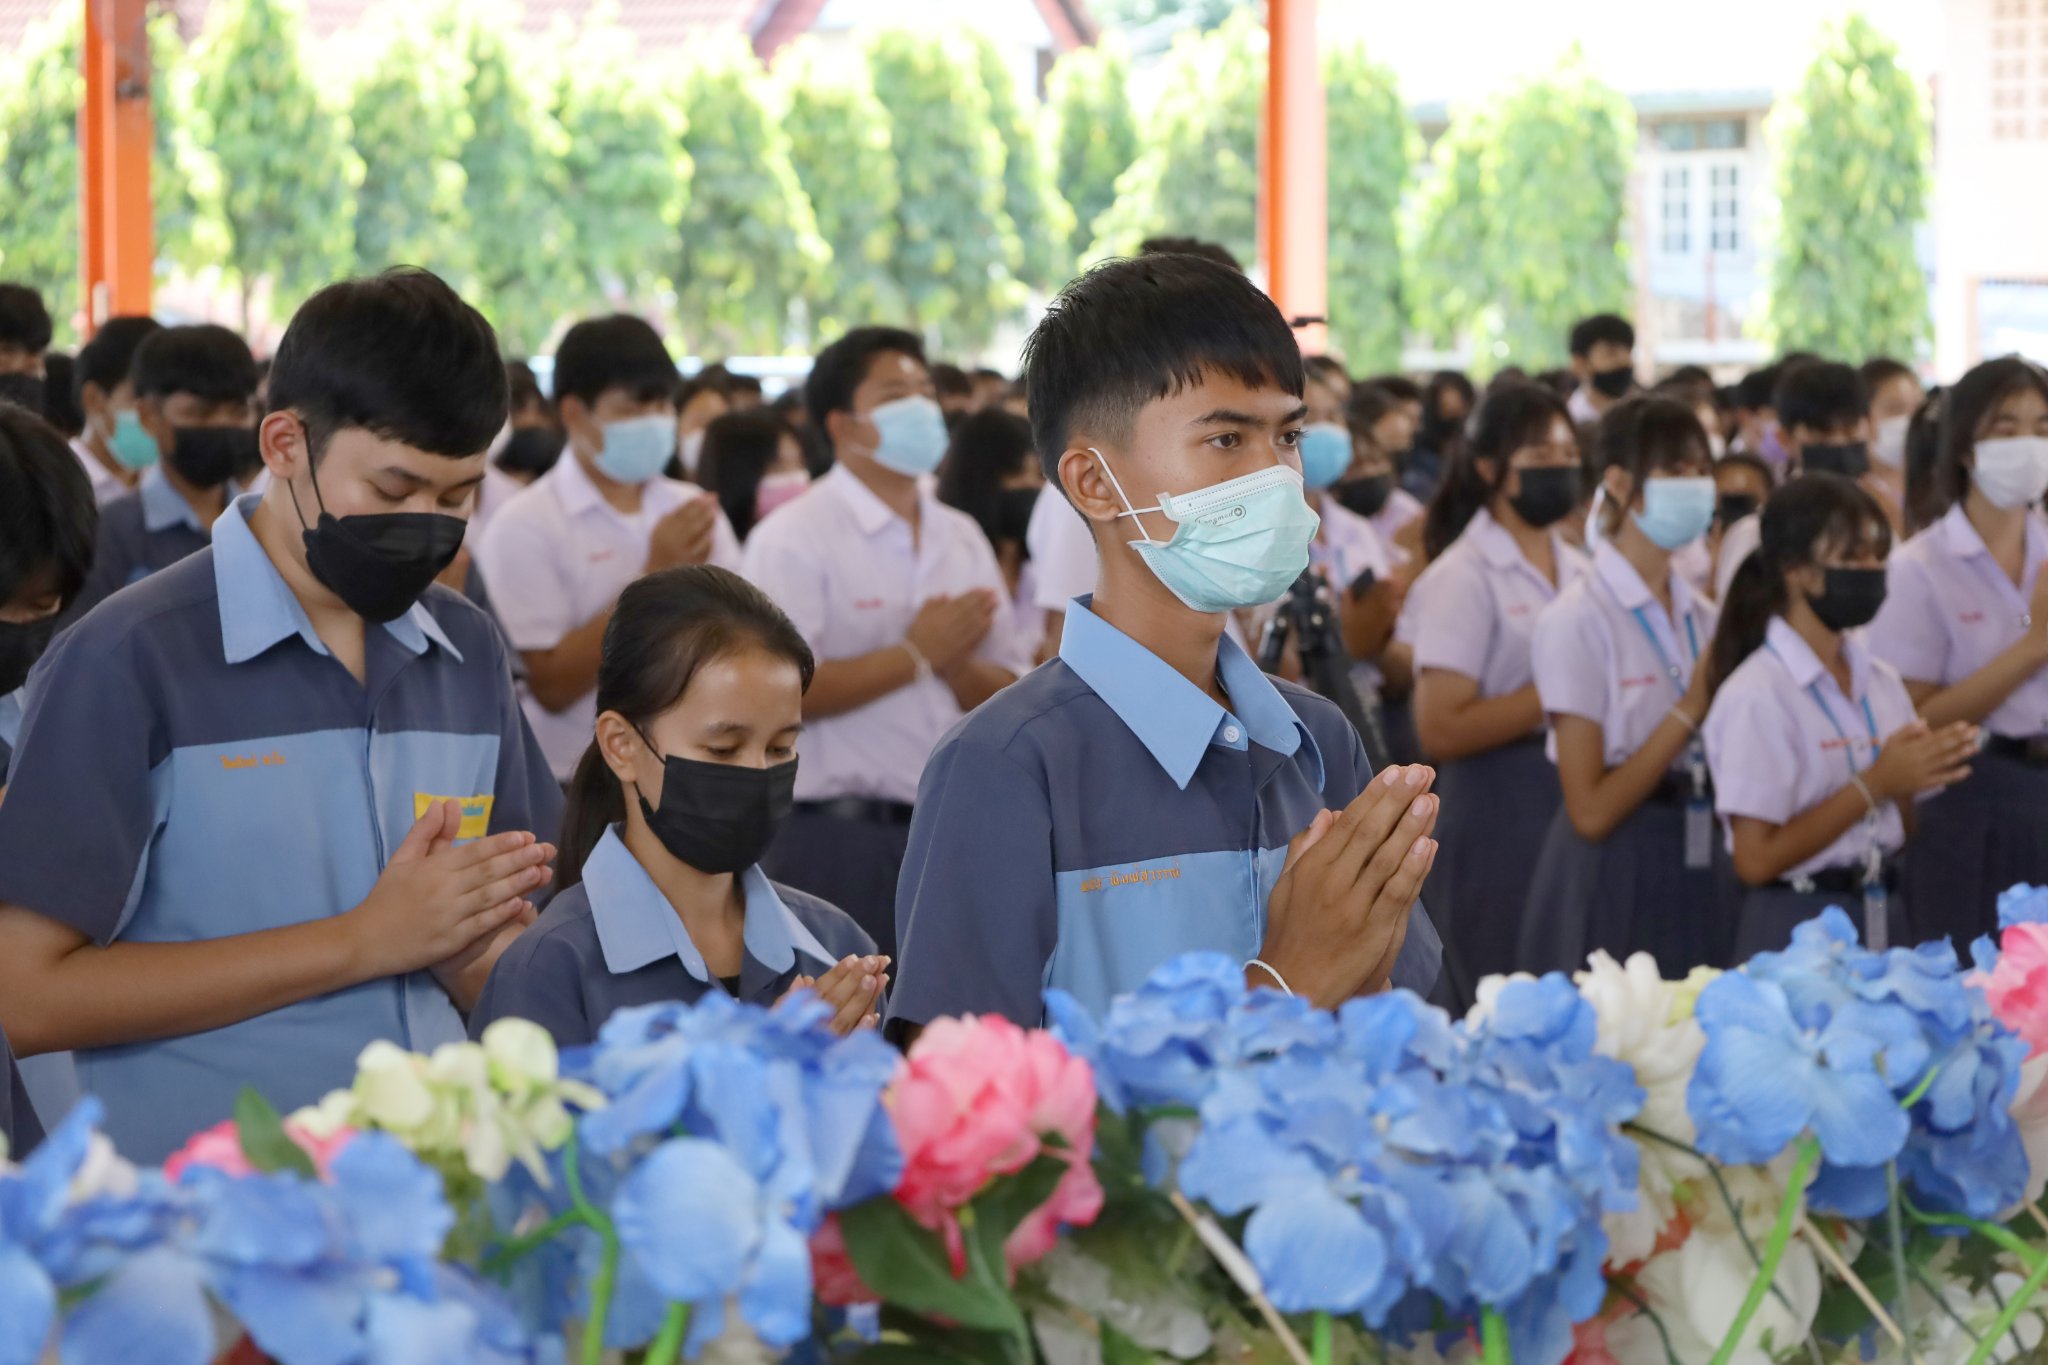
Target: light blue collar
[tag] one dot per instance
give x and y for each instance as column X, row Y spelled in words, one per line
column 257, row 608
column 162, row 505
column 1175, row 720
column 11, row 708
column 636, row 925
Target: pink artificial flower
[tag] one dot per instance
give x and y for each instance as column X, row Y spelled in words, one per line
column 220, row 1147
column 1589, row 1344
column 2018, row 986
column 976, row 1101
column 833, row 1277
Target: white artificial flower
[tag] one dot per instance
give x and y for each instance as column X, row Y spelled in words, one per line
column 336, row 1111
column 521, row 1054
column 1696, row 1291
column 391, row 1090
column 103, row 1172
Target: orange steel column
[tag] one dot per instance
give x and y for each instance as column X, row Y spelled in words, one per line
column 115, row 136
column 1294, row 209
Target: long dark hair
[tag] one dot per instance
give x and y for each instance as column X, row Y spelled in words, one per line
column 1966, row 405
column 665, row 627
column 1511, row 416
column 1642, row 436
column 1924, row 503
column 1809, row 516
column 737, row 450
column 987, row 447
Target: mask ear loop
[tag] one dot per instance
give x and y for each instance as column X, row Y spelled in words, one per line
column 1129, row 511
column 313, row 473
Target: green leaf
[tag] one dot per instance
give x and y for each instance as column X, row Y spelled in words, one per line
column 265, row 1143
column 1118, row 1349
column 908, row 1266
column 1000, row 1208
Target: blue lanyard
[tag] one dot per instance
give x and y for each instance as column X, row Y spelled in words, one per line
column 1671, row 670
column 1848, row 749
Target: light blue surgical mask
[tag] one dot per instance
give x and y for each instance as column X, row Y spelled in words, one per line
column 1325, row 454
column 1676, row 512
column 638, row 448
column 133, row 447
column 1235, row 544
column 913, row 432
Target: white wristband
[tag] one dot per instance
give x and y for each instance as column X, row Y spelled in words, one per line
column 921, row 666
column 1267, row 968
column 1857, row 780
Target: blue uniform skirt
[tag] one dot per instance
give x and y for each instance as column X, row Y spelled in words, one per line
column 1629, row 893
column 1974, row 840
column 1771, row 913
column 1497, row 807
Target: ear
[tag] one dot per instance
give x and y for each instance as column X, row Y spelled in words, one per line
column 849, row 429
column 620, row 745
column 151, row 414
column 281, row 438
column 1620, row 487
column 1089, row 487
column 91, row 397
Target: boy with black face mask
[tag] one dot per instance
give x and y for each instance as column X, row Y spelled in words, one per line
column 1603, row 361
column 24, row 337
column 278, row 800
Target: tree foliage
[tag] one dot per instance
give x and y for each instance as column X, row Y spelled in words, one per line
column 285, row 172
column 955, row 248
column 1520, row 232
column 1852, row 173
column 410, row 120
column 1191, row 14
column 1371, row 145
column 839, row 144
column 1094, row 133
column 1041, row 217
column 749, row 245
column 1199, row 174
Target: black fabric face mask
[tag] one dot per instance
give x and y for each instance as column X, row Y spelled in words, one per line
column 1851, row 459
column 1614, row 383
column 531, row 451
column 1733, row 507
column 25, row 389
column 1548, row 495
column 1367, row 496
column 1849, row 598
column 207, row 457
column 719, row 817
column 1013, row 513
column 21, row 644
column 380, row 564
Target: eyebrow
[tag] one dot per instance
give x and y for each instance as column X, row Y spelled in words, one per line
column 733, row 727
column 413, row 480
column 1232, row 417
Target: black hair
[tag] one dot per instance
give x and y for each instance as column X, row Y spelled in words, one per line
column 206, row 361
column 1800, row 523
column 1969, row 403
column 1819, row 395
column 1324, row 368
column 522, row 386
column 1509, row 418
column 744, row 383
column 663, row 629
column 1646, row 435
column 1131, row 332
column 1611, row 328
column 986, row 373
column 1758, row 389
column 843, row 367
column 1924, row 502
column 24, row 321
column 987, row 447
column 1369, row 403
column 1441, row 433
column 598, row 355
column 1690, row 385
column 688, row 390
column 1190, row 246
column 104, row 361
column 1691, row 374
column 950, row 381
column 738, row 448
column 1881, row 370
column 1400, row 386
column 48, row 517
column 1744, row 460
column 60, row 394
column 398, row 355
column 715, row 376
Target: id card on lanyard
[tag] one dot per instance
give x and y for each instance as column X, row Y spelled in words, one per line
column 1876, row 902
column 1699, row 802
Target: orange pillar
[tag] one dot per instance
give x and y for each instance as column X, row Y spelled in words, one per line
column 1294, row 207
column 115, row 137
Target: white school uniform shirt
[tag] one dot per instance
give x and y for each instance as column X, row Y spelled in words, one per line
column 497, row 490
column 1738, row 542
column 1949, row 610
column 1475, row 608
column 105, row 486
column 1062, row 551
column 1593, row 653
column 850, row 574
column 1579, row 407
column 1402, row 508
column 1347, row 547
column 1782, row 737
column 555, row 556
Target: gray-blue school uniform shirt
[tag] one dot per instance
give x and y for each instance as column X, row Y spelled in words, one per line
column 613, row 940
column 1105, row 815
column 194, row 764
column 18, row 1123
column 141, row 532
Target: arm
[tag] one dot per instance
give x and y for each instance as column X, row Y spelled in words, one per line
column 1910, row 634
column 843, row 685
column 1453, row 721
column 1984, row 691
column 558, row 677
column 1368, row 619
column 1764, row 852
column 1598, row 798
column 976, row 680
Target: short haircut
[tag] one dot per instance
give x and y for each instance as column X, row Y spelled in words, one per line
column 1130, row 332
column 745, row 383
column 48, row 517
column 1820, row 394
column 689, row 390
column 1737, row 459
column 1758, row 389
column 105, row 359
column 1190, row 246
column 398, row 355
column 621, row 352
column 522, row 386
column 1369, row 403
column 995, row 376
column 24, row 321
column 60, row 394
column 1881, row 370
column 1399, row 387
column 950, row 381
column 843, row 366
column 206, row 361
column 715, row 376
column 1324, row 368
column 1611, row 328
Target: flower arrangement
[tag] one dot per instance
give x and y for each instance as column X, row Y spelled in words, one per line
column 1828, row 1154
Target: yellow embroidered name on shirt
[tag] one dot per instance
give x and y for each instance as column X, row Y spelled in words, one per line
column 1138, row 877
column 237, row 762
column 476, row 812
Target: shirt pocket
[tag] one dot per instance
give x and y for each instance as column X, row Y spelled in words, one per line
column 1118, row 923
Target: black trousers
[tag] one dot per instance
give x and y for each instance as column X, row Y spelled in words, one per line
column 852, row 863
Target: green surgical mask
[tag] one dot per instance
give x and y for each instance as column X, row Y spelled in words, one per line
column 133, row 447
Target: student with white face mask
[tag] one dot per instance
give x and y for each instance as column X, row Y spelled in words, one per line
column 1966, row 624
column 1895, row 395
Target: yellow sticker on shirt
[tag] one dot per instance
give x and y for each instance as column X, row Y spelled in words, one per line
column 476, row 812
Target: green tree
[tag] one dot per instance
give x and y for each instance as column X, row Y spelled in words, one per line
column 286, row 174
column 1094, row 133
column 1186, row 14
column 186, row 232
column 1371, row 145
column 624, row 172
column 1520, row 233
column 1043, row 220
column 1199, row 174
column 749, row 245
column 955, row 249
column 1852, row 170
column 839, row 145
column 409, row 121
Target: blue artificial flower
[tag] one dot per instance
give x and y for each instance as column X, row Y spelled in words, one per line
column 2022, row 904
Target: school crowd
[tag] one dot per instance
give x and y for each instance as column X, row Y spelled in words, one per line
column 373, row 692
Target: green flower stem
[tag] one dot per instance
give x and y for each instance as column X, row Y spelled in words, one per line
column 1493, row 1338
column 2011, row 1316
column 1774, row 1249
column 1323, row 1344
column 668, row 1343
column 604, row 1283
column 518, row 1249
column 2003, row 1237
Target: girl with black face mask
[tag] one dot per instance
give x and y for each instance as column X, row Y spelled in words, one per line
column 1812, row 741
column 691, row 772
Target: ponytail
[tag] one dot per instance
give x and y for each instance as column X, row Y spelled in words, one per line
column 1755, row 595
column 596, row 803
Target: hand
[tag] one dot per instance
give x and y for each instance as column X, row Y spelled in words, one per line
column 947, row 630
column 435, row 900
column 1697, row 697
column 852, row 988
column 1917, row 759
column 684, row 536
column 463, row 975
column 1339, row 913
